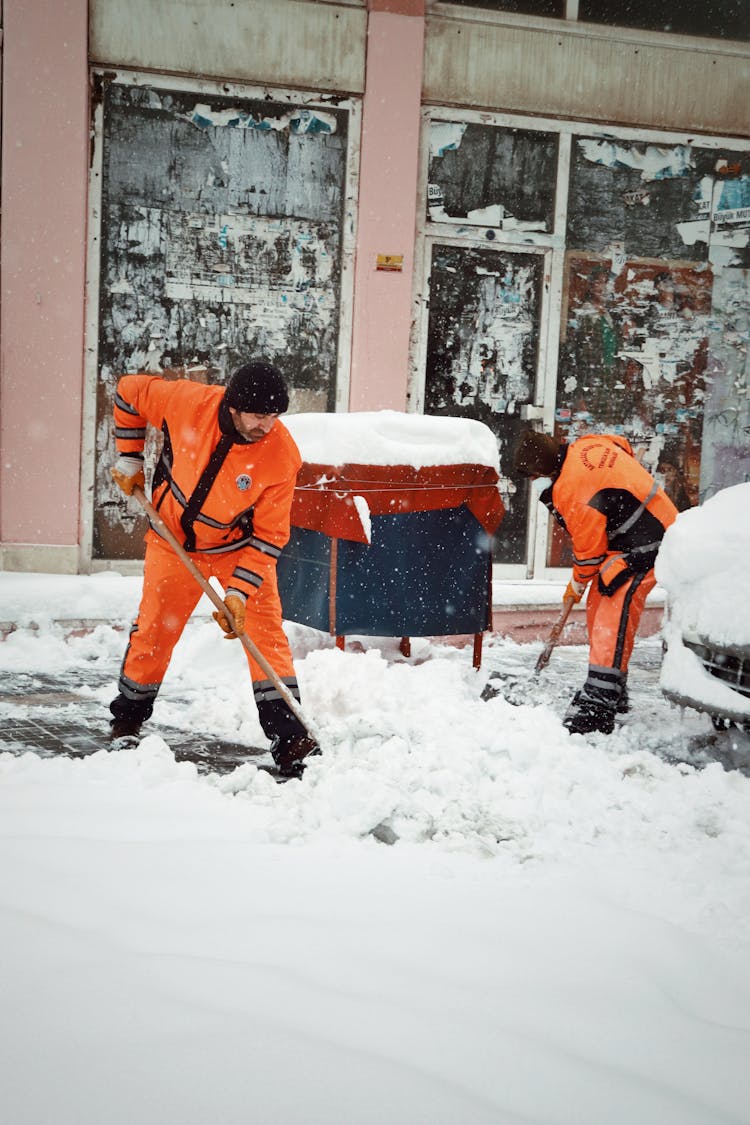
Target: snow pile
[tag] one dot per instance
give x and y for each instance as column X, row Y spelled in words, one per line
column 388, row 437
column 39, row 600
column 702, row 565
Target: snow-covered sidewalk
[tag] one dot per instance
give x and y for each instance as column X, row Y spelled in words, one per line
column 558, row 933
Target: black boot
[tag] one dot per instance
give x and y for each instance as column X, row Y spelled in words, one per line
column 623, row 703
column 586, row 715
column 593, row 708
column 291, row 742
column 129, row 715
column 124, row 734
column 290, row 754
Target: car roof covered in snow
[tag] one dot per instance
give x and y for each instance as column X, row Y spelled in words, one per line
column 702, row 566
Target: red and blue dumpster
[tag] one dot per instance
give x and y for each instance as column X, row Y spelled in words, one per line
column 392, row 526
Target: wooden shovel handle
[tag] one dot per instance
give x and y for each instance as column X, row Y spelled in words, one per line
column 555, row 634
column 159, row 524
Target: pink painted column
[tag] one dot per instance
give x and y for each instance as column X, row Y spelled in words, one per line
column 387, row 204
column 44, row 184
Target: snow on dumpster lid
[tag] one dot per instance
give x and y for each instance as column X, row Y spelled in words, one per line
column 389, row 437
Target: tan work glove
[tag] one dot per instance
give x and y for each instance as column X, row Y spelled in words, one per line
column 574, row 591
column 236, row 607
column 127, row 472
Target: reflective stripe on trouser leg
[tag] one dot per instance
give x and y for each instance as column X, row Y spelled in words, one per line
column 613, row 621
column 603, row 685
column 265, row 690
column 273, row 711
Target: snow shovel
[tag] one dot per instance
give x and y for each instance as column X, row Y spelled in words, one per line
column 208, row 589
column 515, row 691
column 554, row 636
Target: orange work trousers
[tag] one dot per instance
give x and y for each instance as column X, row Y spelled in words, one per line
column 612, row 621
column 170, row 594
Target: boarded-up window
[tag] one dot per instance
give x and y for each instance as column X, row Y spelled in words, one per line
column 555, row 8
column 482, row 347
column 639, row 326
column 633, row 361
column 490, row 177
column 221, row 239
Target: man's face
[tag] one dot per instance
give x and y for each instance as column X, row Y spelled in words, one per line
column 253, row 427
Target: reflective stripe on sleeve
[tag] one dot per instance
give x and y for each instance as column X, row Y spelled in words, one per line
column 123, row 405
column 127, row 434
column 590, row 562
column 264, row 547
column 249, row 576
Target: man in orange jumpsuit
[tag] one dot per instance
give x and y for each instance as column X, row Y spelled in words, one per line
column 616, row 516
column 223, row 485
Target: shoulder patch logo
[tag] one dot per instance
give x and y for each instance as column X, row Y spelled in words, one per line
column 243, row 482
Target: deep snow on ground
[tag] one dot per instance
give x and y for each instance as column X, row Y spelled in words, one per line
column 461, row 914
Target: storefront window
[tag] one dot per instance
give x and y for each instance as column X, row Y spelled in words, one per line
column 526, row 7
column 651, row 325
column 718, row 19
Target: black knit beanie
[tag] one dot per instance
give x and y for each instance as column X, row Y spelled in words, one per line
column 536, row 454
column 257, row 388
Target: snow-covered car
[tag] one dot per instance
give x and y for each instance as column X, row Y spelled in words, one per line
column 703, row 569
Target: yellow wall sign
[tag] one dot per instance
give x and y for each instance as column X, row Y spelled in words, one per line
column 394, row 262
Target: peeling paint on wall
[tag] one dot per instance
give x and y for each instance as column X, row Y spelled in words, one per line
column 654, row 162
column 445, row 136
column 221, row 238
column 633, row 361
column 297, row 121
column 696, row 205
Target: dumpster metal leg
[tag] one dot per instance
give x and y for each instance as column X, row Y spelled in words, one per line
column 341, row 643
column 332, row 568
column 405, row 646
column 477, row 660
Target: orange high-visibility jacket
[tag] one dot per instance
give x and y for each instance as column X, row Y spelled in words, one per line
column 612, row 508
column 215, row 491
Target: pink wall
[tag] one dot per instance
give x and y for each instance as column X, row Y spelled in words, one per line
column 44, row 182
column 44, row 169
column 387, row 211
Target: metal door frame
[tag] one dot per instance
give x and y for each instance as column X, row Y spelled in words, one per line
column 501, row 571
column 551, row 246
